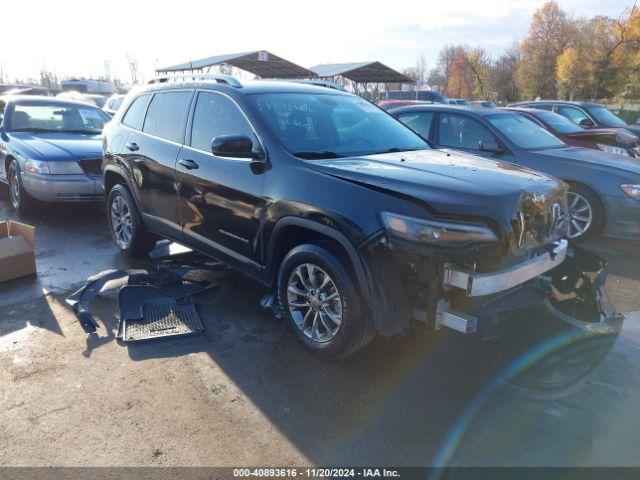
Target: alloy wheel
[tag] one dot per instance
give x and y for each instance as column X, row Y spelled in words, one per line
column 14, row 188
column 121, row 222
column 314, row 302
column 580, row 214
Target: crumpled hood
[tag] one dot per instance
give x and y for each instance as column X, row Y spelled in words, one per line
column 591, row 156
column 59, row 146
column 449, row 182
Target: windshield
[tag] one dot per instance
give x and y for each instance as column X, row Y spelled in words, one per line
column 557, row 122
column 57, row 117
column 524, row 133
column 332, row 125
column 605, row 117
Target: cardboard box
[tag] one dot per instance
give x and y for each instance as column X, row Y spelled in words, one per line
column 17, row 250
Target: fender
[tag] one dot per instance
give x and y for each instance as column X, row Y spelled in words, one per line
column 359, row 267
column 121, row 172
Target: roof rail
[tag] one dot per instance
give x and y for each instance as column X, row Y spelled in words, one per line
column 310, row 81
column 185, row 77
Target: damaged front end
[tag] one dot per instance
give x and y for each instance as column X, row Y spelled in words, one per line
column 559, row 281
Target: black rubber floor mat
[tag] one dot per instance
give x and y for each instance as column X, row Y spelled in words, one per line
column 132, row 297
column 162, row 317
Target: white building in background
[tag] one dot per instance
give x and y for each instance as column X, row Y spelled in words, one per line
column 84, row 85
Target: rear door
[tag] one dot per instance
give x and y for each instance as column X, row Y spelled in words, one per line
column 152, row 153
column 419, row 122
column 220, row 197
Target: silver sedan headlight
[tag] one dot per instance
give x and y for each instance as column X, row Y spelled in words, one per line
column 37, row 166
column 436, row 232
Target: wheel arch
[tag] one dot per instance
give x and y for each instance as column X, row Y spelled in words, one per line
column 291, row 231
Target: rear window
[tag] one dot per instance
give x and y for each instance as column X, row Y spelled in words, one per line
column 133, row 117
column 166, row 115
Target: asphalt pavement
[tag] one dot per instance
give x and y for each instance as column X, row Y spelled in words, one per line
column 246, row 393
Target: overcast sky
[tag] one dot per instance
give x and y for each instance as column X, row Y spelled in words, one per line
column 76, row 37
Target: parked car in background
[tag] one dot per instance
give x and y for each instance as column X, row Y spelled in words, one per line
column 112, row 104
column 50, row 150
column 350, row 218
column 483, row 104
column 27, row 91
column 613, row 140
column 91, row 98
column 604, row 189
column 457, row 101
column 585, row 114
column 387, row 104
column 422, row 95
column 88, row 85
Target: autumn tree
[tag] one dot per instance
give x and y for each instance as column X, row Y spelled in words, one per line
column 551, row 31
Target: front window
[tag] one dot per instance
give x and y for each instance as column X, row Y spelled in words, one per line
column 574, row 114
column 606, row 117
column 460, row 131
column 57, row 117
column 558, row 122
column 332, row 125
column 524, row 133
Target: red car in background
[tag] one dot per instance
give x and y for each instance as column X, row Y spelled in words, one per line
column 611, row 140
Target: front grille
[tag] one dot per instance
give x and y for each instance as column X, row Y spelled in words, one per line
column 91, row 166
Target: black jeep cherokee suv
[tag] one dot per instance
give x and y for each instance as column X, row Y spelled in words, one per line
column 354, row 221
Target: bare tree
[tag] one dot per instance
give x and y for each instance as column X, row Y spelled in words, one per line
column 132, row 63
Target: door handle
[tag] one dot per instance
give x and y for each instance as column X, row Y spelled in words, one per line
column 189, row 164
column 132, row 146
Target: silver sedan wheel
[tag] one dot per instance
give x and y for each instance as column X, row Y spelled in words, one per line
column 121, row 222
column 314, row 302
column 14, row 188
column 580, row 215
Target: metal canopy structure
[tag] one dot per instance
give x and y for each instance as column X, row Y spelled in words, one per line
column 261, row 63
column 362, row 72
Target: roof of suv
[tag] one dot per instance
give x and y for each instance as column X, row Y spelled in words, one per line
column 554, row 102
column 254, row 86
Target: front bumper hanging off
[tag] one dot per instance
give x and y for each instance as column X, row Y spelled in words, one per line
column 565, row 285
column 477, row 284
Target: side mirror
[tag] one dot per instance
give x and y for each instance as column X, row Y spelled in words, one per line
column 586, row 123
column 490, row 147
column 237, row 146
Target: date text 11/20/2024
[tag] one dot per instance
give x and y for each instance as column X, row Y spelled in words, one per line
column 316, row 472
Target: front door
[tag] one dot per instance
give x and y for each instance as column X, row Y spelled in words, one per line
column 220, row 197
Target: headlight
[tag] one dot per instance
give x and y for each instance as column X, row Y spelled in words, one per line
column 632, row 190
column 65, row 168
column 37, row 166
column 612, row 149
column 436, row 231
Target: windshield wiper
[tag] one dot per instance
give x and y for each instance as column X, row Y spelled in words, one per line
column 396, row 150
column 34, row 129
column 317, row 155
column 90, row 132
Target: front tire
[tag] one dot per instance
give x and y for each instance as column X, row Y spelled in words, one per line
column 20, row 200
column 321, row 302
column 125, row 224
column 586, row 214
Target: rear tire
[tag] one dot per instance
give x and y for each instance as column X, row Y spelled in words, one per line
column 321, row 302
column 20, row 200
column 125, row 224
